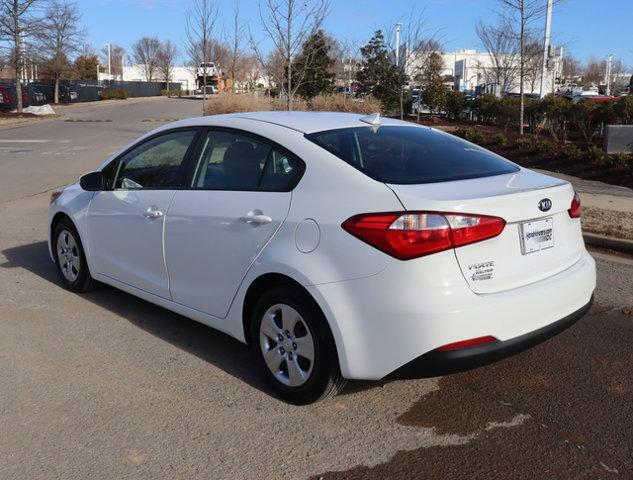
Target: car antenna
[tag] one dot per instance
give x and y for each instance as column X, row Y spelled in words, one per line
column 372, row 119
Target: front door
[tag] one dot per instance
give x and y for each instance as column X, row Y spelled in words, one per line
column 125, row 221
column 238, row 196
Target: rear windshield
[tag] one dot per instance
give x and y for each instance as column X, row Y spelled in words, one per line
column 408, row 155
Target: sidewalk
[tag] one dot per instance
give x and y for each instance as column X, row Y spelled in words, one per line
column 607, row 210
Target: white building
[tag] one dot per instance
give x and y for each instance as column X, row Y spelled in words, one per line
column 471, row 69
column 135, row 73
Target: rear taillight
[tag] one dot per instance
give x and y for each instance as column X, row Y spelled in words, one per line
column 575, row 211
column 468, row 343
column 406, row 235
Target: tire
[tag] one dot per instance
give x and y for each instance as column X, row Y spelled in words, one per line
column 295, row 320
column 70, row 258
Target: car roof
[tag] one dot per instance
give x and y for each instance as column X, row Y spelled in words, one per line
column 304, row 122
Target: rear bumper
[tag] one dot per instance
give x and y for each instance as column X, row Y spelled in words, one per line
column 384, row 322
column 439, row 362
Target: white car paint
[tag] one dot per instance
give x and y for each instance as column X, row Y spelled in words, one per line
column 199, row 258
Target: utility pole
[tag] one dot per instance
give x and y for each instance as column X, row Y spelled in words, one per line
column 109, row 61
column 608, row 73
column 398, row 25
column 546, row 43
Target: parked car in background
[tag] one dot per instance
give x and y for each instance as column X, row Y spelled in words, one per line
column 35, row 95
column 68, row 93
column 48, row 90
column 337, row 245
column 5, row 99
column 13, row 95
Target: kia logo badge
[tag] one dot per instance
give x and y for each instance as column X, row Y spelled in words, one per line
column 544, row 205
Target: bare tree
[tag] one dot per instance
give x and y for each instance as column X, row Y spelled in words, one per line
column 594, row 72
column 273, row 68
column 60, row 37
column 533, row 62
column 523, row 13
column 18, row 20
column 503, row 49
column 165, row 60
column 288, row 24
column 346, row 63
column 200, row 22
column 236, row 44
column 428, row 65
column 412, row 51
column 250, row 71
column 117, row 55
column 571, row 68
column 145, row 52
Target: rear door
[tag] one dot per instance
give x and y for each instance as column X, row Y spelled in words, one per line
column 238, row 195
column 125, row 221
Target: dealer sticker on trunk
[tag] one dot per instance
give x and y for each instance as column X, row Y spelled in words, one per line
column 537, row 235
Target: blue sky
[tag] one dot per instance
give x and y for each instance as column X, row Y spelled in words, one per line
column 584, row 27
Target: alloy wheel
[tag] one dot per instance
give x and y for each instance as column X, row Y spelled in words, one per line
column 68, row 255
column 287, row 345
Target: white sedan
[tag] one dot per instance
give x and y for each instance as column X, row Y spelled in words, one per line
column 339, row 246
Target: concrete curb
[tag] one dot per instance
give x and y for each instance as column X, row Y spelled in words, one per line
column 618, row 244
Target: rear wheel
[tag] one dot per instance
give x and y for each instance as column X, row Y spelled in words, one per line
column 295, row 346
column 70, row 258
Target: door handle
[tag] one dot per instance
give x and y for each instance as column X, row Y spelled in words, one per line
column 152, row 213
column 256, row 218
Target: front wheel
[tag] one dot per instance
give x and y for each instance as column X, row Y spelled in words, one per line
column 295, row 346
column 70, row 258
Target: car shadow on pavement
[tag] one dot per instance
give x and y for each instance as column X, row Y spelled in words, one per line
column 219, row 349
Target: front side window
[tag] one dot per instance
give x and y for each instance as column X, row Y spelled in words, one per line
column 156, row 163
column 411, row 155
column 231, row 160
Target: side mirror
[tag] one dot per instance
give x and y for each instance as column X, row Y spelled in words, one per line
column 92, row 182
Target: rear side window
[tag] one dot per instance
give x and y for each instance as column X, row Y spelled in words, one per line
column 230, row 160
column 410, row 155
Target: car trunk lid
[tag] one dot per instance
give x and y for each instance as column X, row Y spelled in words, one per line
column 534, row 245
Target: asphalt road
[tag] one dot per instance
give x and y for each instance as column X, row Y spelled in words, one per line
column 107, row 386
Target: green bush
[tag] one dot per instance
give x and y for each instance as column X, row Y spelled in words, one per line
column 523, row 143
column 486, row 107
column 534, row 114
column 624, row 110
column 545, row 146
column 113, row 94
column 471, row 134
column 556, row 111
column 595, row 154
column 455, row 104
column 623, row 159
column 172, row 93
column 507, row 112
column 571, row 151
column 499, row 139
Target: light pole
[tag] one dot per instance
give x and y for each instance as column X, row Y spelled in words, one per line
column 608, row 73
column 109, row 60
column 546, row 42
column 398, row 25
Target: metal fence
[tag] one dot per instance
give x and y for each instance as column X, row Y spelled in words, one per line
column 88, row 90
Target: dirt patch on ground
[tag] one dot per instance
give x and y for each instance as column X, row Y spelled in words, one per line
column 9, row 119
column 608, row 222
column 5, row 115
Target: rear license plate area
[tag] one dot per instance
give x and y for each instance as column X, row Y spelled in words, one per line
column 537, row 235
